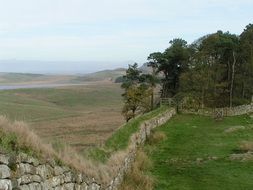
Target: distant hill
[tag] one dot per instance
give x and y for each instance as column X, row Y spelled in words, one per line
column 25, row 78
column 110, row 75
column 145, row 69
column 19, row 77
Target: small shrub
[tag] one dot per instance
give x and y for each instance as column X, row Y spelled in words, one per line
column 8, row 141
column 17, row 136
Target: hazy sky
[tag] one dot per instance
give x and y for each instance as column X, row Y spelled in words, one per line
column 110, row 30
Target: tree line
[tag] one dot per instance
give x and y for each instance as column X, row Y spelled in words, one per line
column 214, row 71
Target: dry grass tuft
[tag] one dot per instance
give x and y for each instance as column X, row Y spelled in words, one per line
column 234, row 129
column 136, row 177
column 248, row 156
column 26, row 138
column 246, row 146
column 157, row 137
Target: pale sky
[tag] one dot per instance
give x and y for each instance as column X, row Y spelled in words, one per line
column 113, row 31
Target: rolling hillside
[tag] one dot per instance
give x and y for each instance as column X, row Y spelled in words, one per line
column 68, row 114
column 110, row 75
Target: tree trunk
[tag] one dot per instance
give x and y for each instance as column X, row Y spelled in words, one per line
column 229, row 71
column 202, row 97
column 243, row 89
column 152, row 99
column 232, row 82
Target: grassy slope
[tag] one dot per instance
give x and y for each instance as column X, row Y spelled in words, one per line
column 17, row 105
column 36, row 104
column 191, row 138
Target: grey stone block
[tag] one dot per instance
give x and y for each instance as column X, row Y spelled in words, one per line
column 4, row 159
column 5, row 172
column 5, row 184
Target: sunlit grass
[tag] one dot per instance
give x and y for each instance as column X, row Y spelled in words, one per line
column 196, row 154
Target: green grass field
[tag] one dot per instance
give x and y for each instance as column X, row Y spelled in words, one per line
column 81, row 116
column 196, row 155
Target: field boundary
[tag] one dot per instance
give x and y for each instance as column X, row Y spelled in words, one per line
column 226, row 111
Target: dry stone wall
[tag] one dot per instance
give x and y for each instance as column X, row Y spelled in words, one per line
column 27, row 173
column 138, row 139
column 237, row 110
column 22, row 172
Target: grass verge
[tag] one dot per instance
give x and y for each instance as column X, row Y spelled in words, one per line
column 196, row 154
column 119, row 140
